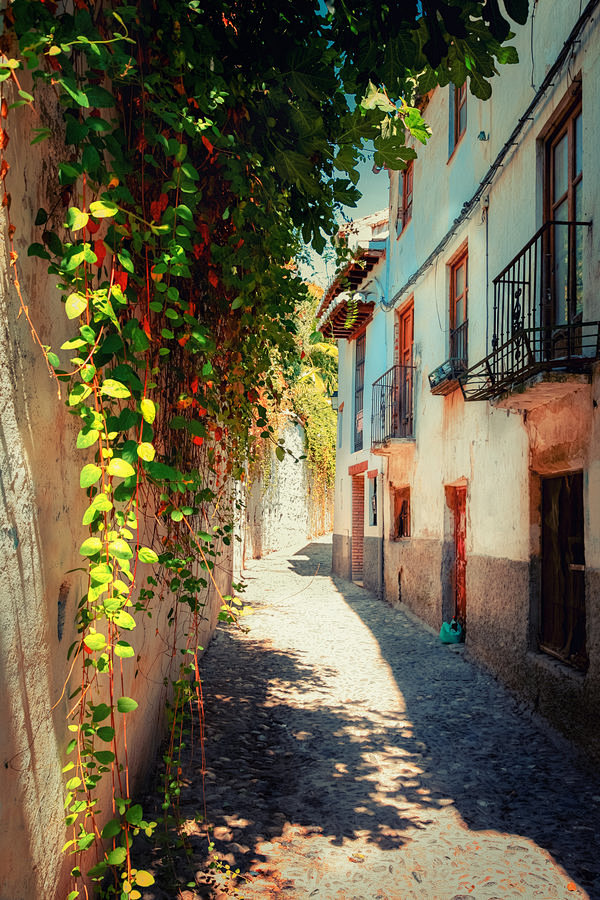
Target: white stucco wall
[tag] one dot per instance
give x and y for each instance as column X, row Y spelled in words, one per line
column 281, row 506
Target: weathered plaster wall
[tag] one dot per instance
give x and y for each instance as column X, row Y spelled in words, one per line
column 41, row 506
column 498, row 454
column 282, row 506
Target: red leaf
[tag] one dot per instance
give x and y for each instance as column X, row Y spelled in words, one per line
column 194, row 384
column 182, row 341
column 120, row 278
column 4, row 139
column 198, row 441
column 202, row 411
column 92, row 227
column 146, row 328
column 218, row 433
column 163, row 202
column 100, row 251
column 4, row 109
column 213, row 278
column 208, row 145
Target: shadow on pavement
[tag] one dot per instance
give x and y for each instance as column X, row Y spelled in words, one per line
column 460, row 742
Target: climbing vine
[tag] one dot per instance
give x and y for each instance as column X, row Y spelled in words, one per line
column 200, row 145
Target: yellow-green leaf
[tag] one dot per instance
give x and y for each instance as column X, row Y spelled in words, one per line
column 75, row 305
column 146, row 451
column 120, row 467
column 148, row 410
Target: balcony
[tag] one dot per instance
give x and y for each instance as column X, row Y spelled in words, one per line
column 445, row 378
column 542, row 348
column 392, row 409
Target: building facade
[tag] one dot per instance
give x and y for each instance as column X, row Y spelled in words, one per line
column 468, row 479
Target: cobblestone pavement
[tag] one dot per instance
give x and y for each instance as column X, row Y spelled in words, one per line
column 351, row 756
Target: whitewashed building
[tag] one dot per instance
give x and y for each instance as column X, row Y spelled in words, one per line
column 468, row 476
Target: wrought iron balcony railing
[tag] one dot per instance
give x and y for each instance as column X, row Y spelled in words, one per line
column 393, row 405
column 538, row 319
column 444, row 379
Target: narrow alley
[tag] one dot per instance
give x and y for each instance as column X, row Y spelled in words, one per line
column 350, row 756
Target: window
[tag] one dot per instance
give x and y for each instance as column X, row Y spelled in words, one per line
column 458, row 115
column 459, row 288
column 401, row 520
column 359, row 386
column 405, row 198
column 373, row 501
column 403, row 347
column 563, row 199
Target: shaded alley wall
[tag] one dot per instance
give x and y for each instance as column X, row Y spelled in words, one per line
column 41, row 583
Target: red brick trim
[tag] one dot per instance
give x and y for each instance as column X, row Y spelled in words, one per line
column 372, row 473
column 357, row 468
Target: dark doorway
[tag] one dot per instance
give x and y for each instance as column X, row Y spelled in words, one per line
column 562, row 620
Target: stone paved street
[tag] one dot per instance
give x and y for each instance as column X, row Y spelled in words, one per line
column 351, row 756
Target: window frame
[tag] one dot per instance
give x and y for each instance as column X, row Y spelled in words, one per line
column 405, row 197
column 458, row 261
column 360, row 354
column 458, row 103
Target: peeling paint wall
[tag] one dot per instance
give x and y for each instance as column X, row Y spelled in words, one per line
column 41, row 507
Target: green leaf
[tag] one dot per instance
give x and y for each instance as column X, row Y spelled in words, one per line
column 100, row 712
column 124, row 258
column 148, row 410
column 280, row 453
column 124, row 650
column 98, row 870
column 104, row 757
column 146, row 451
column 103, row 209
column 146, row 555
column 117, row 856
column 91, row 546
column 95, row 641
column 73, row 783
column 111, row 829
column 176, row 515
column 126, row 705
column 38, row 250
column 75, row 305
column 134, row 814
column 106, row 733
column 86, row 840
column 89, row 475
column 120, row 468
column 114, row 388
column 71, row 88
column 120, row 549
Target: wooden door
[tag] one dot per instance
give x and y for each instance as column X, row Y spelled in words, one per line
column 457, row 499
column 358, row 526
